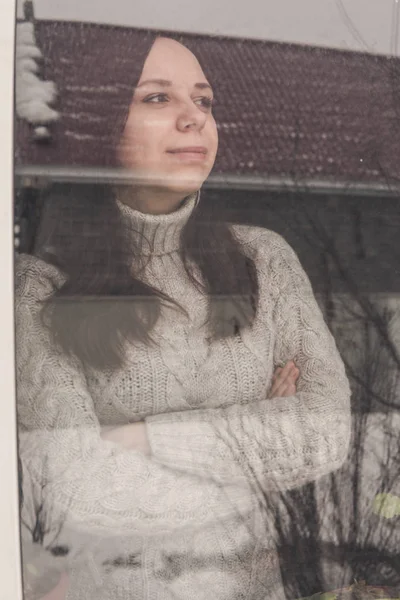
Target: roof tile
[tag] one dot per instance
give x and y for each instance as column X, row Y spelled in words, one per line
column 281, row 109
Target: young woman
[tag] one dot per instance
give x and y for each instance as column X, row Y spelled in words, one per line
column 172, row 371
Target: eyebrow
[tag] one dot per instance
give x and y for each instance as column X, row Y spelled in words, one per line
column 167, row 83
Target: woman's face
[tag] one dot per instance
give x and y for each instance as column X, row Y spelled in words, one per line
column 170, row 111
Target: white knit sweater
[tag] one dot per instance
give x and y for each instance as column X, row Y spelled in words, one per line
column 185, row 523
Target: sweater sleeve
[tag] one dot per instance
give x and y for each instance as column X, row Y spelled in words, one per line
column 277, row 443
column 78, row 479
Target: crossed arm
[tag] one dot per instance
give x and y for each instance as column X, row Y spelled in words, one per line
column 134, row 435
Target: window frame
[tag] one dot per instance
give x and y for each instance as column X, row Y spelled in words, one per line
column 10, row 554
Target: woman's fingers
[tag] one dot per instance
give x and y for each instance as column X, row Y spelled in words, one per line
column 284, row 380
column 281, row 373
column 277, row 373
column 285, row 390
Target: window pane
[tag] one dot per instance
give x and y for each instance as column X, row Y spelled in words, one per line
column 207, row 311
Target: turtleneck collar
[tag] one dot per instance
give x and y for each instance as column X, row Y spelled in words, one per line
column 158, row 234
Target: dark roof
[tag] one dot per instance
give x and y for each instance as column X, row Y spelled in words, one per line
column 282, row 110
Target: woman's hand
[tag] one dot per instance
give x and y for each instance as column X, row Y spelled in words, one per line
column 132, row 436
column 284, row 381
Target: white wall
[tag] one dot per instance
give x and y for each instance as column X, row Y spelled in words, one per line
column 355, row 24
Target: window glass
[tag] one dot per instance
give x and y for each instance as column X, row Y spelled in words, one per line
column 206, row 306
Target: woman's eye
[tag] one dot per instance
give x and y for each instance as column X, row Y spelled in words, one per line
column 206, row 101
column 155, row 98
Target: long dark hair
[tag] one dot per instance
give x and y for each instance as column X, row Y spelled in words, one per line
column 103, row 302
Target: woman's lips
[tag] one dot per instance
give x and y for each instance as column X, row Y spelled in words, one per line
column 201, row 149
column 190, row 153
column 196, row 156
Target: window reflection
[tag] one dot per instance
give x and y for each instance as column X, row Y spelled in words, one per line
column 168, row 443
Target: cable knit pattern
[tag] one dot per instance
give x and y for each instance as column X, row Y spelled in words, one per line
column 189, row 514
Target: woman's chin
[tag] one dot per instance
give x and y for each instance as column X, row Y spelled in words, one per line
column 186, row 183
column 183, row 182
column 186, row 188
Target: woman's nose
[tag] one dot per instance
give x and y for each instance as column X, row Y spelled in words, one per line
column 191, row 117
